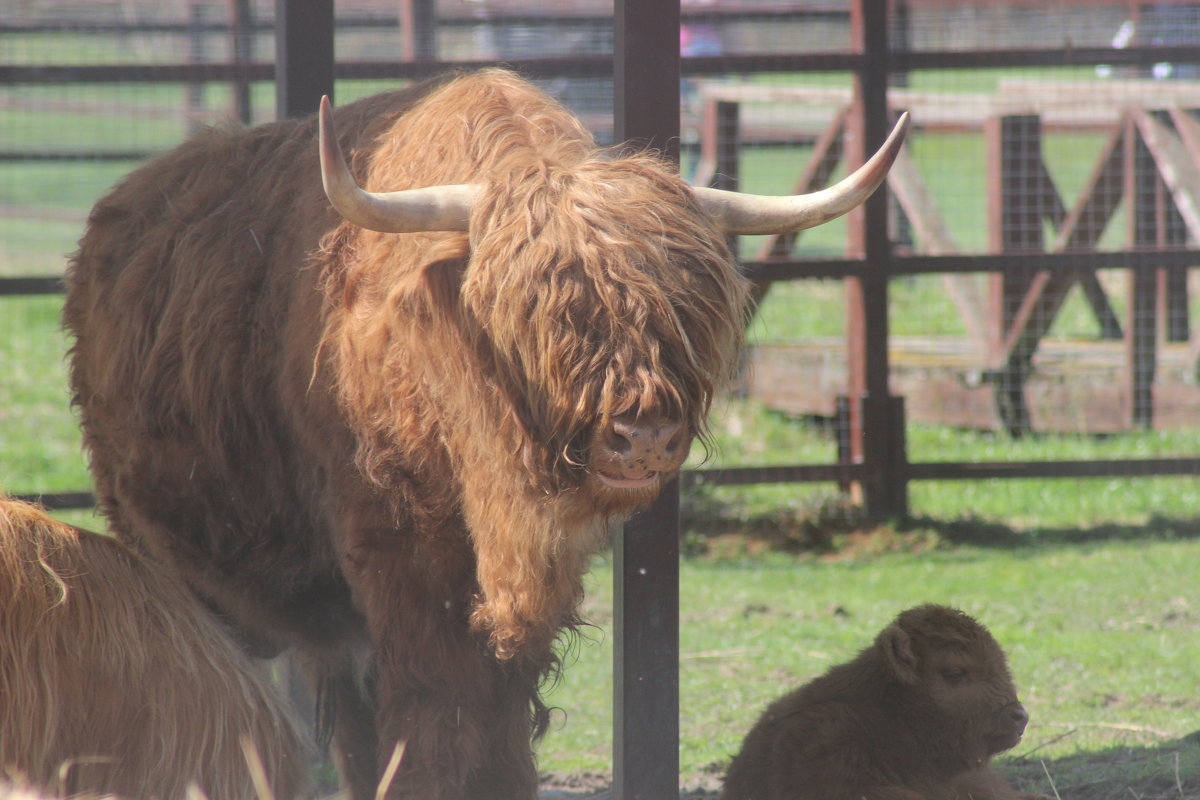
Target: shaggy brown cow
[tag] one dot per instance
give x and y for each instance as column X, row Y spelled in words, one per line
column 114, row 679
column 398, row 452
column 916, row 716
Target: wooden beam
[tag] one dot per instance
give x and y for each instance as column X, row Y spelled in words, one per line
column 1143, row 199
column 1081, row 229
column 934, row 238
column 1176, row 166
column 826, row 155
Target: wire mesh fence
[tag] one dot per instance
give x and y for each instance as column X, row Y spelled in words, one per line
column 1041, row 234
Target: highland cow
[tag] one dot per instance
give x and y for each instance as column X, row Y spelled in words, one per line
column 392, row 432
column 113, row 679
column 916, row 716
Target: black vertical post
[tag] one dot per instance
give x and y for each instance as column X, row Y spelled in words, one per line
column 418, row 20
column 242, row 41
column 1144, row 198
column 646, row 555
column 869, row 23
column 303, row 55
column 197, row 54
column 729, row 152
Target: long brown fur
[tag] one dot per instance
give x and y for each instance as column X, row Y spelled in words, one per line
column 916, row 716
column 114, row 680
column 379, row 448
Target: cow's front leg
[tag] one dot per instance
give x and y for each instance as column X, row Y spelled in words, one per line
column 465, row 723
column 464, row 717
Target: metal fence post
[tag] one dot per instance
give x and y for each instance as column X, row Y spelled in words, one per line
column 303, row 55
column 867, row 294
column 646, row 556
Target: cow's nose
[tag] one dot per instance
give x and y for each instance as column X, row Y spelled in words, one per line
column 656, row 444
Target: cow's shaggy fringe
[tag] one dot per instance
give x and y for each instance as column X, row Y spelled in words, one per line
column 114, row 680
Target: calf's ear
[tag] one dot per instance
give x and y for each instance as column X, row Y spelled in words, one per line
column 895, row 646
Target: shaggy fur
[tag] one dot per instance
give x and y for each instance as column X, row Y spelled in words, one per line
column 916, row 716
column 114, row 680
column 381, row 448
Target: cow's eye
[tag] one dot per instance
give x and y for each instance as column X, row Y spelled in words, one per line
column 954, row 675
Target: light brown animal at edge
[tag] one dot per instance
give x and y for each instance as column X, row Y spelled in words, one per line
column 916, row 716
column 113, row 679
column 391, row 432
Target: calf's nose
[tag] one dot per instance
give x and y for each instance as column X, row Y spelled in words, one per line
column 1019, row 716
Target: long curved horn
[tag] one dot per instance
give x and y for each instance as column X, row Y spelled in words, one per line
column 435, row 208
column 751, row 213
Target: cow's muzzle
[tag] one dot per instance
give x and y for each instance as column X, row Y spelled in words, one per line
column 632, row 453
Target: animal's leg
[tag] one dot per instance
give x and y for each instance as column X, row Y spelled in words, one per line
column 465, row 722
column 508, row 768
column 464, row 716
column 344, row 712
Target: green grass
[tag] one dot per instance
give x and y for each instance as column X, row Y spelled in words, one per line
column 1102, row 640
column 746, row 434
column 39, row 437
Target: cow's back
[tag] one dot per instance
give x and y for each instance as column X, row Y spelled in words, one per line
column 195, row 305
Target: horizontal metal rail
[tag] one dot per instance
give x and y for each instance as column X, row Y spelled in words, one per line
column 448, row 17
column 833, row 268
column 601, row 65
column 846, row 473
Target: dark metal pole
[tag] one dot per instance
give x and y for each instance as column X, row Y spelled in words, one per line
column 884, row 496
column 646, row 556
column 418, row 21
column 242, row 43
column 303, row 55
column 646, row 72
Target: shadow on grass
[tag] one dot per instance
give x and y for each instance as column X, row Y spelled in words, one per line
column 982, row 533
column 1168, row 771
column 831, row 526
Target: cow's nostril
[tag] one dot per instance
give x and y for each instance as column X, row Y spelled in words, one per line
column 1019, row 714
column 622, row 438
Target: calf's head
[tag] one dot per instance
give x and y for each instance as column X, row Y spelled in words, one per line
column 953, row 673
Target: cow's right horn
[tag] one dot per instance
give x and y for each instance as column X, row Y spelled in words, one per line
column 750, row 213
column 435, row 208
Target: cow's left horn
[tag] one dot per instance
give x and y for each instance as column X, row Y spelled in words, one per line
column 749, row 213
column 435, row 208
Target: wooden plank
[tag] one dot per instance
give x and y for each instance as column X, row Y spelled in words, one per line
column 826, row 155
column 1074, row 386
column 934, row 238
column 1015, row 96
column 1176, row 166
column 1098, row 199
column 1012, row 144
column 1143, row 198
column 1081, row 229
column 1189, row 130
column 1087, row 220
column 1029, row 95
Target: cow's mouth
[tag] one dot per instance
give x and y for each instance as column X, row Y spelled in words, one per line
column 613, row 481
